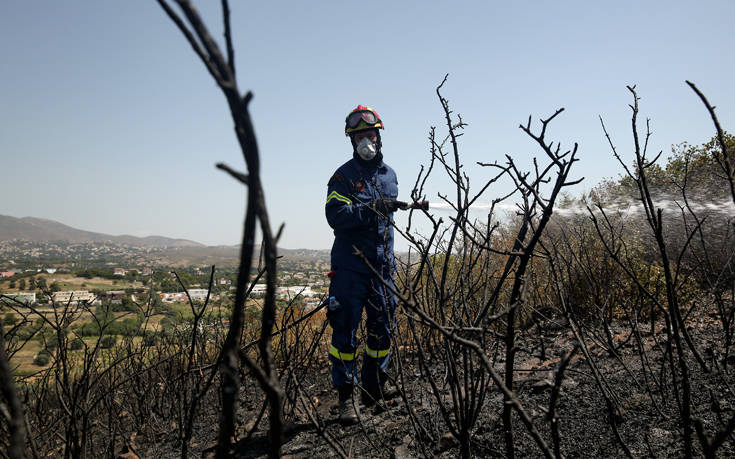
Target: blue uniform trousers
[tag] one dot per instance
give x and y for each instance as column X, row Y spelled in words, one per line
column 355, row 292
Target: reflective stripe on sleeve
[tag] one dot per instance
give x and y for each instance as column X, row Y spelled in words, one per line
column 345, row 356
column 376, row 354
column 338, row 197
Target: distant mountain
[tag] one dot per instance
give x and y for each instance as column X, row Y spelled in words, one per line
column 169, row 251
column 42, row 230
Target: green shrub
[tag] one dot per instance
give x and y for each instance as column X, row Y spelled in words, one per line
column 89, row 329
column 51, row 343
column 130, row 326
column 26, row 332
column 76, row 344
column 42, row 359
column 108, row 341
column 10, row 319
column 167, row 323
column 151, row 338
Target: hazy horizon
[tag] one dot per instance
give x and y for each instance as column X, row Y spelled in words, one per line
column 162, row 235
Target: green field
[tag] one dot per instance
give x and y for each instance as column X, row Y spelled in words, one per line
column 23, row 360
column 70, row 282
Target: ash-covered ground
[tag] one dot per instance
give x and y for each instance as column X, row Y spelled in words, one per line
column 645, row 411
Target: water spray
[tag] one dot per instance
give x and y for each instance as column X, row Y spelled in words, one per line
column 631, row 207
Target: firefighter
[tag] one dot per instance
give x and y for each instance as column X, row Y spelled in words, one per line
column 361, row 200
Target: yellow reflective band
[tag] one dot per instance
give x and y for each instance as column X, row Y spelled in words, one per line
column 376, row 354
column 346, row 356
column 338, row 197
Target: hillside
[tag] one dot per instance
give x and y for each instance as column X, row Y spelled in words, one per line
column 43, row 230
column 28, row 241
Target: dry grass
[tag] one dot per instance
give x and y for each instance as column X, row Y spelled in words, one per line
column 71, row 282
column 22, row 361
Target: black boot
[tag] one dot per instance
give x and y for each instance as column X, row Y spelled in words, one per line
column 349, row 410
column 386, row 391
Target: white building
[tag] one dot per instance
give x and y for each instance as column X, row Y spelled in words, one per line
column 198, row 293
column 171, row 297
column 290, row 292
column 73, row 296
column 258, row 290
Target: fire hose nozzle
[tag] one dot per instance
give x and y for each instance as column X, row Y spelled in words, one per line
column 418, row 205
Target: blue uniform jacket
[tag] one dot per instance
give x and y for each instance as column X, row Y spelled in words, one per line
column 349, row 193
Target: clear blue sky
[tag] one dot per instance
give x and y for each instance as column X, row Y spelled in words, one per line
column 109, row 122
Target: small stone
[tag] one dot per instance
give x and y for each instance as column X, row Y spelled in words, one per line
column 250, row 424
column 388, row 425
column 402, row 452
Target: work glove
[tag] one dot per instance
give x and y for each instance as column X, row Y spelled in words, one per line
column 386, row 206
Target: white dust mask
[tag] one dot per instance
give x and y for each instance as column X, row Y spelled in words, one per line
column 366, row 149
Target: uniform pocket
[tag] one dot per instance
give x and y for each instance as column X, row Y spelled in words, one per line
column 335, row 313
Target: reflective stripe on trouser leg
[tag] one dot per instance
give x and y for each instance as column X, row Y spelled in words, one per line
column 342, row 356
column 376, row 353
column 344, row 366
column 374, row 367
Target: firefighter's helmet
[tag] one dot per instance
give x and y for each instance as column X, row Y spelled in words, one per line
column 362, row 118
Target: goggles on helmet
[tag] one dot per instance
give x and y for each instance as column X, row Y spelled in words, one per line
column 368, row 116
